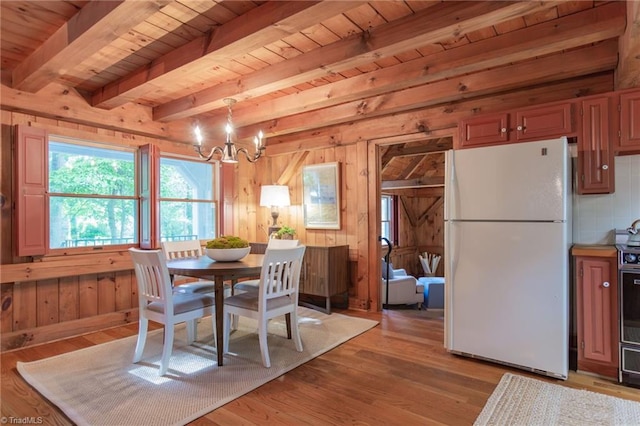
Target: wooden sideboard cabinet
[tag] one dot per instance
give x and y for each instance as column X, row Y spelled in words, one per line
column 597, row 315
column 325, row 273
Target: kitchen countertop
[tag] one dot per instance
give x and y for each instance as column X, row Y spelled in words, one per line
column 594, row 250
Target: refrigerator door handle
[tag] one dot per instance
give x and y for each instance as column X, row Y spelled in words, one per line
column 451, row 187
column 450, row 250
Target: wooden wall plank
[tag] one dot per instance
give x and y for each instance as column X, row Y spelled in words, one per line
column 24, row 305
column 68, row 296
column 122, row 290
column 106, row 293
column 66, row 266
column 6, row 302
column 6, row 191
column 88, row 295
column 47, row 302
column 37, row 335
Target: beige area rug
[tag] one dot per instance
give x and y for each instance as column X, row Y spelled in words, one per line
column 519, row 400
column 100, row 385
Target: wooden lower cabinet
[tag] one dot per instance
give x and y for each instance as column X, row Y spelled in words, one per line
column 325, row 273
column 597, row 315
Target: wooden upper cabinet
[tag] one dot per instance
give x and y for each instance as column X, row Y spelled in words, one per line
column 527, row 124
column 595, row 153
column 486, row 129
column 544, row 122
column 629, row 140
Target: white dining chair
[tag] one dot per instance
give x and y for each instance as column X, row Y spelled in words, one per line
column 158, row 302
column 183, row 249
column 274, row 243
column 277, row 296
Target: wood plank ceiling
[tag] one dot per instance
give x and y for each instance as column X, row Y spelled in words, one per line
column 296, row 68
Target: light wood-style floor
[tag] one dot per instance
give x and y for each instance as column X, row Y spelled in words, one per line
column 395, row 374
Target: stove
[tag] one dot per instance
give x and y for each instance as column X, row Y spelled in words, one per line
column 628, row 256
column 629, row 288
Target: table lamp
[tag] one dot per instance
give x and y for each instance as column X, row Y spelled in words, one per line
column 274, row 196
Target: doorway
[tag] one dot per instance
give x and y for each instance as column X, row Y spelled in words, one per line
column 411, row 175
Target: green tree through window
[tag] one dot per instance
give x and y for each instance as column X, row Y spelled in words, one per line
column 187, row 199
column 92, row 197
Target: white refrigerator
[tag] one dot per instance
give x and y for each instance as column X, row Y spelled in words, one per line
column 507, row 241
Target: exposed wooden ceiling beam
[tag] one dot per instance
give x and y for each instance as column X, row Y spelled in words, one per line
column 412, row 166
column 293, row 167
column 589, row 26
column 579, row 62
column 92, row 28
column 418, row 124
column 265, row 24
column 401, row 150
column 424, row 192
column 412, row 32
column 412, row 183
column 57, row 102
column 628, row 72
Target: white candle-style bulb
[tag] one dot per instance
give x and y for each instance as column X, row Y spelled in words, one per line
column 228, row 128
column 256, row 141
column 260, row 136
column 198, row 135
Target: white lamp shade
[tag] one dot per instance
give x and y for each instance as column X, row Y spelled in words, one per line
column 274, row 195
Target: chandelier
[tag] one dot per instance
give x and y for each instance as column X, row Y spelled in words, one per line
column 229, row 153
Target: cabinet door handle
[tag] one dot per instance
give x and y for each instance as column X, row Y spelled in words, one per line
column 503, row 130
column 519, row 128
column 605, row 167
column 606, row 284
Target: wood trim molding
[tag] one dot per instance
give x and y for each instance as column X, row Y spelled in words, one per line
column 67, row 267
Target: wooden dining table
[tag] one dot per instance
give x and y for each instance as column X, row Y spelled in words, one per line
column 218, row 272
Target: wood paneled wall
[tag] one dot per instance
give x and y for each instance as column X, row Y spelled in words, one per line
column 421, row 229
column 101, row 293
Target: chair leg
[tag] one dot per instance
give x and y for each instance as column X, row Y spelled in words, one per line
column 234, row 322
column 215, row 333
column 288, row 322
column 143, row 325
column 226, row 329
column 262, row 337
column 192, row 331
column 296, row 330
column 166, row 350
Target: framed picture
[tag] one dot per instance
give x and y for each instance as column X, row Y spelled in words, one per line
column 321, row 196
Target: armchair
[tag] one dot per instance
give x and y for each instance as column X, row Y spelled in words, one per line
column 403, row 289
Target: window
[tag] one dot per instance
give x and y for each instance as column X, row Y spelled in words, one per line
column 92, row 195
column 74, row 194
column 187, row 199
column 386, row 215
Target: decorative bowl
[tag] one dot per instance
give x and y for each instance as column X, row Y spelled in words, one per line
column 227, row 255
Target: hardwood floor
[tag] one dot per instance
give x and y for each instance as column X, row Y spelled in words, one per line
column 396, row 373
